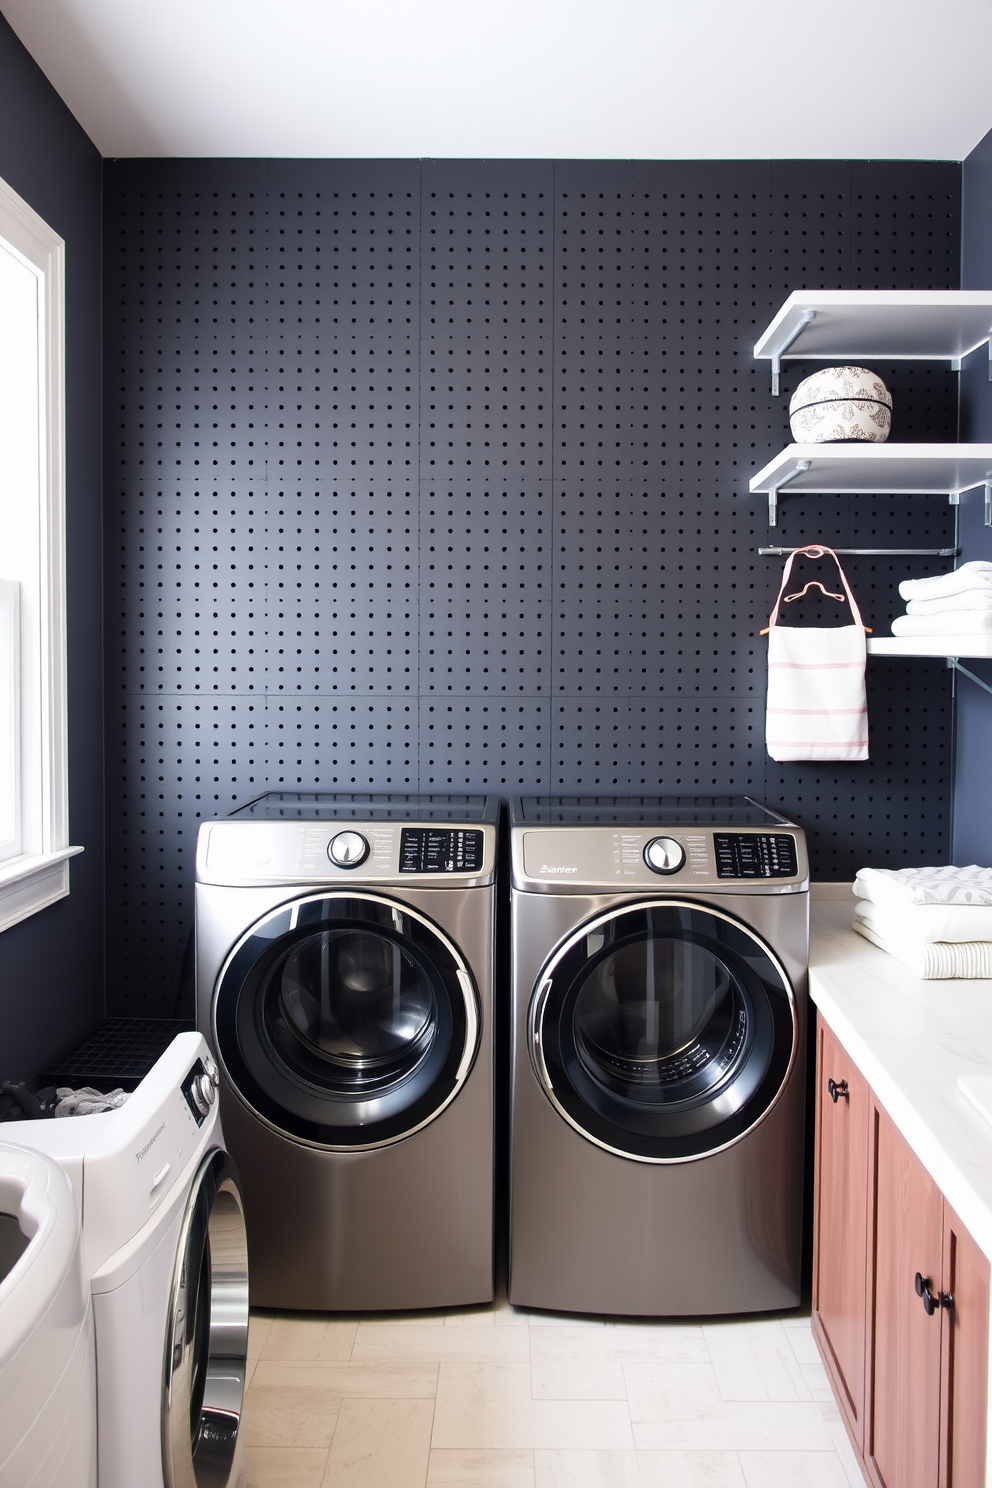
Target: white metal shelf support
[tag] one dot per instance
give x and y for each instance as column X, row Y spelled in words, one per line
column 955, row 665
column 808, row 317
column 800, row 469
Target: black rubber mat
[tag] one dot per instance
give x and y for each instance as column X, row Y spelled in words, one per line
column 120, row 1053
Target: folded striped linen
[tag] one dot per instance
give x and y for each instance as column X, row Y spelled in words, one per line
column 936, row 960
column 974, row 575
column 952, row 604
column 927, row 922
column 899, row 887
column 955, row 622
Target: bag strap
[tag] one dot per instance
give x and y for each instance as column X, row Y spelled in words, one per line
column 815, row 550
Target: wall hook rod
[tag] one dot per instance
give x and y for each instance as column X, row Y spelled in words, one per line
column 955, row 665
column 871, row 552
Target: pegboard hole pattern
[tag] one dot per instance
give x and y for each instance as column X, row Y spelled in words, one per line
column 433, row 476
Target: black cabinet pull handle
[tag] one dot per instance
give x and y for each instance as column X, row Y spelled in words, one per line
column 946, row 1300
column 836, row 1089
column 930, row 1301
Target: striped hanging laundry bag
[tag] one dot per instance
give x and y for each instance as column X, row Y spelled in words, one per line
column 816, row 707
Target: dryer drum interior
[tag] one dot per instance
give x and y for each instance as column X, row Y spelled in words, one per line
column 206, row 1333
column 664, row 1031
column 346, row 1020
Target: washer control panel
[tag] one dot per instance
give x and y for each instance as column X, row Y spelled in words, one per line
column 368, row 852
column 755, row 855
column 440, row 850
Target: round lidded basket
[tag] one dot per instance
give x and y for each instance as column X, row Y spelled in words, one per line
column 841, row 404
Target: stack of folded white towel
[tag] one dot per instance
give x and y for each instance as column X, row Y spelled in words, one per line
column 937, row 921
column 958, row 603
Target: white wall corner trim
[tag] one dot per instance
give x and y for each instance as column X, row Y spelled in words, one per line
column 32, row 552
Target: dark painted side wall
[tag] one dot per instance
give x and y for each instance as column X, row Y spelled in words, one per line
column 51, row 965
column 972, row 824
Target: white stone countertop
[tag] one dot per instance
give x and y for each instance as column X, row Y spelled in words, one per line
column 911, row 1039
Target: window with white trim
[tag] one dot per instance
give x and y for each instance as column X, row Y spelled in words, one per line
column 34, row 817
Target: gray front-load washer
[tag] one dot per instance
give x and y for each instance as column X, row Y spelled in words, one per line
column 344, row 951
column 659, row 962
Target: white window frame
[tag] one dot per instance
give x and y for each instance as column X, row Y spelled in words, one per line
column 39, row 874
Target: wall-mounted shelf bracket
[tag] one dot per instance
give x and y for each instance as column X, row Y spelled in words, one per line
column 955, row 666
column 808, row 316
column 801, row 466
column 871, row 552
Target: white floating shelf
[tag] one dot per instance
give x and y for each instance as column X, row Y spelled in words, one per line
column 882, row 324
column 873, row 470
column 942, row 645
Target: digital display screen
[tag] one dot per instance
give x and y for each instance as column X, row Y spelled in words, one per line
column 440, row 850
column 755, row 855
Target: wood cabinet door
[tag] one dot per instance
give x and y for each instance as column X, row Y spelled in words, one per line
column 965, row 1357
column 903, row 1417
column 840, row 1225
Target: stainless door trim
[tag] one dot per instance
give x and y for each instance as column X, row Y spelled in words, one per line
column 545, row 982
column 470, row 999
column 212, row 1239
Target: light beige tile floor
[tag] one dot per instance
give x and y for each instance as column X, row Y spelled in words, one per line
column 494, row 1397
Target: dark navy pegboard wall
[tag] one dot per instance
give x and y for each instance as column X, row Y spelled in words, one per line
column 433, row 475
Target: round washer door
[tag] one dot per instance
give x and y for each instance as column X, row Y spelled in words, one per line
column 663, row 1031
column 206, row 1340
column 347, row 1021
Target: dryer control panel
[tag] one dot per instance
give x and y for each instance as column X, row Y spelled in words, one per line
column 755, row 855
column 574, row 859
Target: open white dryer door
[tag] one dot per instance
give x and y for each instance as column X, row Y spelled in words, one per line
column 206, row 1342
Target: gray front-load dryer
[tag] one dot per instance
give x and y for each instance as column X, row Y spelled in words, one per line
column 659, row 959
column 344, row 952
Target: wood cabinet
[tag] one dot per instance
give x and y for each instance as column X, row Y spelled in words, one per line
column 903, row 1426
column 840, row 1224
column 900, row 1294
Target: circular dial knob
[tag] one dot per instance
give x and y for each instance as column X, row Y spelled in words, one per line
column 664, row 855
column 347, row 849
column 204, row 1093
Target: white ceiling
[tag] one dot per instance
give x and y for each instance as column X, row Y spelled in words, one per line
column 661, row 79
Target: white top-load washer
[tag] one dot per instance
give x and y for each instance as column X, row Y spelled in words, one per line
column 47, row 1364
column 165, row 1253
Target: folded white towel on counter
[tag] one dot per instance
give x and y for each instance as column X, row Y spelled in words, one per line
column 926, row 922
column 957, row 622
column 974, row 575
column 952, row 604
column 935, row 960
column 899, row 887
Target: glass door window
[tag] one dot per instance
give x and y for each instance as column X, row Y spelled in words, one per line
column 664, row 1031
column 347, row 1021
